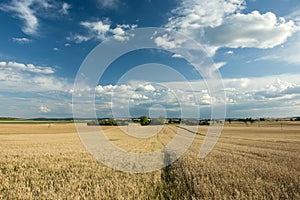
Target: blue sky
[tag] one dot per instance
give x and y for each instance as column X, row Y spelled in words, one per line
column 254, row 44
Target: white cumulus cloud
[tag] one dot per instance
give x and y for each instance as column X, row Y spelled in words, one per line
column 216, row 24
column 195, row 14
column 20, row 78
column 147, row 87
column 167, row 42
column 26, row 67
column 101, row 30
column 251, row 30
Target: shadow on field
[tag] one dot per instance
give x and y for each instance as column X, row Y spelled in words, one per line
column 175, row 183
column 188, row 130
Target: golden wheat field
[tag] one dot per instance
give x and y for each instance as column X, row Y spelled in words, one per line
column 257, row 161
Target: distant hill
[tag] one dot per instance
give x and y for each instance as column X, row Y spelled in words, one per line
column 51, row 119
column 10, row 119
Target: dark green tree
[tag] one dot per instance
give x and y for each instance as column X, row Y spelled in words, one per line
column 144, row 120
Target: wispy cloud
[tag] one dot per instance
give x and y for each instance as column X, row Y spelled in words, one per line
column 29, row 11
column 22, row 40
column 25, row 13
column 109, row 4
column 287, row 53
column 65, row 8
column 79, row 38
column 295, row 16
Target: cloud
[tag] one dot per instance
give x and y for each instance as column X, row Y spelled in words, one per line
column 216, row 24
column 110, row 4
column 55, row 49
column 218, row 65
column 278, row 89
column 109, row 89
column 175, row 55
column 288, row 53
column 251, row 30
column 98, row 29
column 101, row 30
column 167, row 42
column 119, row 32
column 194, row 14
column 264, row 92
column 295, row 16
column 25, row 13
column 29, row 10
column 138, row 97
column 19, row 77
column 65, row 8
column 26, row 67
column 148, row 87
column 21, row 40
column 245, row 97
column 229, row 52
column 25, row 85
column 45, row 109
column 260, row 94
column 79, row 38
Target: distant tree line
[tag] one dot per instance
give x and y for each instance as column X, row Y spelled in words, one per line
column 146, row 121
column 108, row 122
column 8, row 118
